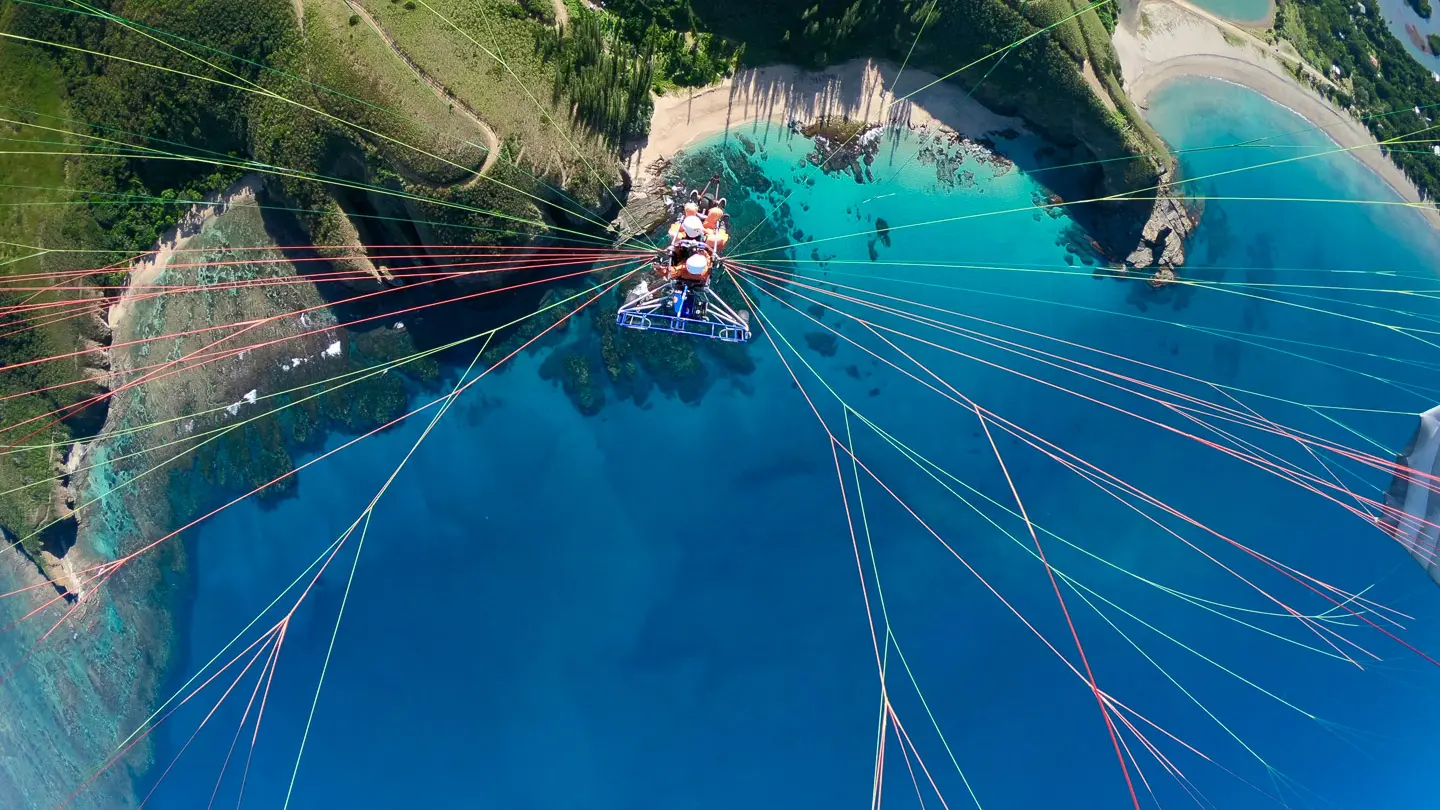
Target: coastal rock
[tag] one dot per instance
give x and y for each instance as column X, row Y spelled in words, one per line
column 647, row 207
column 1162, row 239
column 842, row 145
column 1142, row 256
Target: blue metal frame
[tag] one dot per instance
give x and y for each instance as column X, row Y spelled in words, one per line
column 660, row 322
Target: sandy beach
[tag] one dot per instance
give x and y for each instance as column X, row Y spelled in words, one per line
column 862, row 89
column 1166, row 39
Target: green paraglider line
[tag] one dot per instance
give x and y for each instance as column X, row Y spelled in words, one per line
column 108, row 569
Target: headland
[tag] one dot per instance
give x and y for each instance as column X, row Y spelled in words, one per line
column 1163, row 40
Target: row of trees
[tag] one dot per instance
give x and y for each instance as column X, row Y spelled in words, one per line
column 1385, row 93
column 605, row 79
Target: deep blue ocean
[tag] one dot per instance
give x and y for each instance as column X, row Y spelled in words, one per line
column 659, row 607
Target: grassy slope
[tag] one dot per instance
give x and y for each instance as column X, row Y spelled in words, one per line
column 32, row 82
column 1042, row 79
column 511, row 104
column 354, row 60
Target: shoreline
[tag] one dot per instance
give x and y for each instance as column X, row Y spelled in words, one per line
column 146, row 271
column 1172, row 39
column 861, row 89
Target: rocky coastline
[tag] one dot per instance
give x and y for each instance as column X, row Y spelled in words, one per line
column 1143, row 235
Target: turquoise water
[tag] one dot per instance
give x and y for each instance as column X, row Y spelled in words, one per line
column 1242, row 11
column 660, row 606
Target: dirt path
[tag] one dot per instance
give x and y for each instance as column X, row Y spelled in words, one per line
column 562, row 13
column 492, row 143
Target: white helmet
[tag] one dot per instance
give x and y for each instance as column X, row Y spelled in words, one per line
column 697, row 264
column 693, row 226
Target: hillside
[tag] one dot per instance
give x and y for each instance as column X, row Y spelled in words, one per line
column 369, row 147
column 1374, row 79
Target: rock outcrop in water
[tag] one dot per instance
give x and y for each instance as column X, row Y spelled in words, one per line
column 1162, row 240
column 842, row 146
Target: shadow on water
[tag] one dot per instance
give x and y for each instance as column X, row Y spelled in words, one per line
column 434, row 311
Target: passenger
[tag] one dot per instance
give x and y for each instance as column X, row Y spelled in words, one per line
column 693, row 227
column 715, row 234
column 713, row 217
column 677, row 228
column 683, row 236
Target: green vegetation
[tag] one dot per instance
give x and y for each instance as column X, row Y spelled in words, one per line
column 1041, row 79
column 541, row 10
column 488, row 60
column 191, row 114
column 379, row 91
column 196, row 104
column 605, row 79
column 685, row 54
column 1422, row 7
column 1109, row 14
column 471, row 77
column 81, row 99
column 1434, row 42
column 1395, row 96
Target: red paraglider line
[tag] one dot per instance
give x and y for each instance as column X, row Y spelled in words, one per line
column 8, row 283
column 1233, row 414
column 836, row 442
column 255, row 735
column 1226, row 412
column 1108, row 698
column 253, row 323
column 226, row 353
column 240, row 728
column 75, row 307
column 123, row 266
column 1260, row 463
column 950, row 396
column 264, row 638
column 1060, row 597
column 108, row 569
column 76, row 407
column 906, row 755
column 202, row 724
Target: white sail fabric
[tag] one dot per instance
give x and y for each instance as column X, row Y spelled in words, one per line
column 1416, row 495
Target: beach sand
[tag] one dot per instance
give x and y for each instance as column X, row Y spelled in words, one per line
column 861, row 89
column 1166, row 40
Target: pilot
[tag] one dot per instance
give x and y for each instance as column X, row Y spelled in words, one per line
column 697, row 267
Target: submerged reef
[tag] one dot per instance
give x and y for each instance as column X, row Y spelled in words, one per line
column 597, row 362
